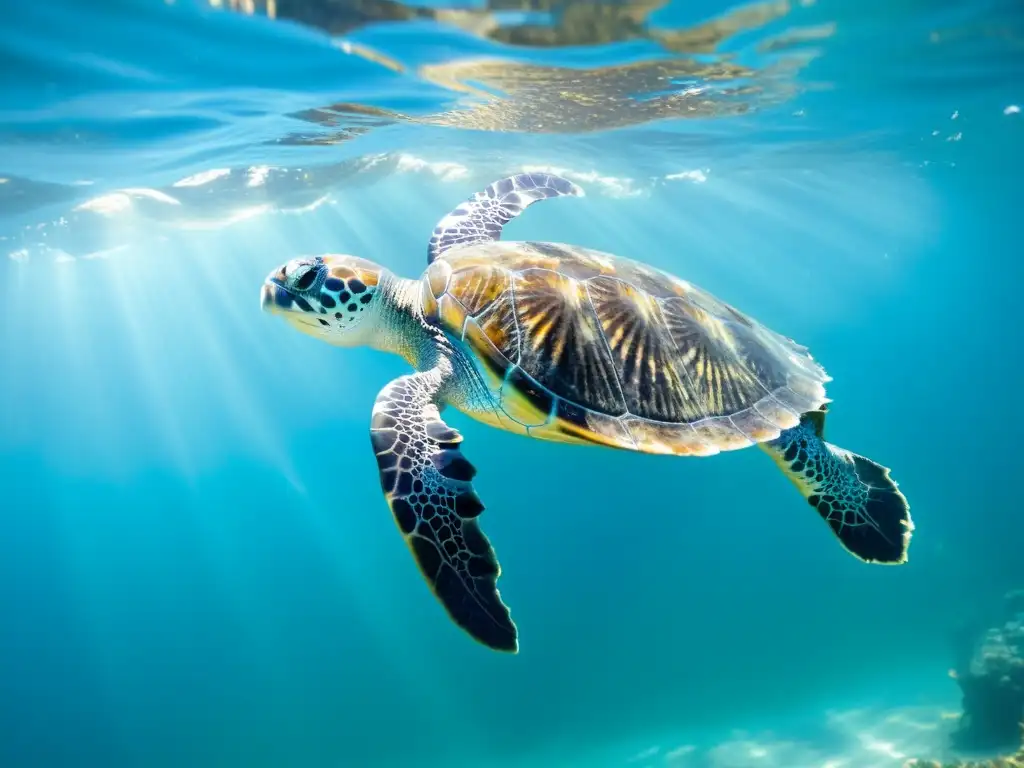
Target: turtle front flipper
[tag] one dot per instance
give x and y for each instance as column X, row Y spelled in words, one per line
column 427, row 482
column 855, row 496
column 481, row 218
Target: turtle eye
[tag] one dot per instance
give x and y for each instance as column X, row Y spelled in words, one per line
column 300, row 274
column 305, row 279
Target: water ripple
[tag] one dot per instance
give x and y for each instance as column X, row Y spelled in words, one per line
column 329, row 94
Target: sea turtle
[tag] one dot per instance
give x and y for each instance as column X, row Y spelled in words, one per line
column 564, row 343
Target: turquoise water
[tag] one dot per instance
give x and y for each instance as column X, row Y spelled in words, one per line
column 197, row 567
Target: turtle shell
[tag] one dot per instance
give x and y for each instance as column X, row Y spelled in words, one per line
column 579, row 345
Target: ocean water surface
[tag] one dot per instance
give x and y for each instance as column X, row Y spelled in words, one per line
column 197, row 567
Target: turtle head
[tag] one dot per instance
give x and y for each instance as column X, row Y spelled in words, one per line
column 332, row 297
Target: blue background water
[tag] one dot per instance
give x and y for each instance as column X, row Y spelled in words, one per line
column 196, row 565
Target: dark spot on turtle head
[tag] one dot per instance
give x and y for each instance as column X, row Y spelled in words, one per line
column 334, row 284
column 344, row 296
column 303, row 304
column 353, row 307
column 323, row 322
column 365, row 298
column 337, row 315
column 327, row 301
column 356, row 285
column 282, row 298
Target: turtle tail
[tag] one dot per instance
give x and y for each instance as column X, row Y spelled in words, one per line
column 853, row 494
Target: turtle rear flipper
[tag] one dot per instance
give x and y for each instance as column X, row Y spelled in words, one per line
column 853, row 494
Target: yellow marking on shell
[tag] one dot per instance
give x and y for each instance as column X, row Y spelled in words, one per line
column 540, row 261
column 704, row 438
column 558, row 352
column 584, row 264
column 469, row 257
column 574, row 292
column 499, row 325
column 715, row 387
column 428, row 302
column 599, row 430
column 478, row 341
column 681, row 288
column 673, row 439
column 476, row 289
column 556, row 432
column 719, row 331
column 539, row 327
column 439, row 274
column 509, row 255
column 451, row 313
column 498, row 420
column 720, row 431
column 602, row 261
column 754, row 426
column 646, row 305
column 616, row 337
column 520, row 409
column 564, row 300
column 776, row 413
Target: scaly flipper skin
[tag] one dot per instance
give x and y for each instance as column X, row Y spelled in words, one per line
column 427, row 482
column 855, row 496
column 481, row 218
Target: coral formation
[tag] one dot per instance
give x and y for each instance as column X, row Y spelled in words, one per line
column 993, row 684
column 1010, row 761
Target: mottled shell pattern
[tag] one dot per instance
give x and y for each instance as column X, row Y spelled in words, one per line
column 582, row 346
